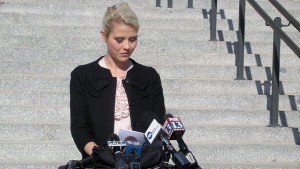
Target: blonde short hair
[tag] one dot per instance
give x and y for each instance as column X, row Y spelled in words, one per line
column 119, row 13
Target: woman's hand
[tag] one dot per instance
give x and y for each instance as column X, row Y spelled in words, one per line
column 88, row 148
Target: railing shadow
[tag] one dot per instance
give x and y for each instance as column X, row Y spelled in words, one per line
column 265, row 87
column 296, row 133
column 284, row 123
column 262, row 88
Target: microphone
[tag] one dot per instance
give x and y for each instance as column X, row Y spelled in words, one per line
column 156, row 131
column 133, row 147
column 116, row 146
column 133, row 153
column 175, row 129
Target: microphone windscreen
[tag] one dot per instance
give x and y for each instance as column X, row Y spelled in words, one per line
column 113, row 137
column 167, row 116
column 130, row 138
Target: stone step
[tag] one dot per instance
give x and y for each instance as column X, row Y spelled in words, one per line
column 35, row 114
column 204, row 165
column 145, row 45
column 39, row 151
column 230, row 4
column 35, row 132
column 172, row 100
column 225, row 59
column 237, row 102
column 211, row 72
column 171, row 24
column 201, row 133
column 85, row 56
column 205, row 152
column 225, row 72
column 252, row 165
column 210, row 117
column 201, row 11
column 63, row 69
column 199, row 86
column 80, row 3
column 145, row 33
column 14, row 164
column 226, row 117
column 246, row 153
column 177, row 4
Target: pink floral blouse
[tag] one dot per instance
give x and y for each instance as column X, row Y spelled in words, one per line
column 122, row 114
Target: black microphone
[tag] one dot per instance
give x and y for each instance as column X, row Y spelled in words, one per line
column 116, row 146
column 133, row 153
column 175, row 129
column 154, row 132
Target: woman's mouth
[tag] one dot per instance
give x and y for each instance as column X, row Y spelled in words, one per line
column 125, row 54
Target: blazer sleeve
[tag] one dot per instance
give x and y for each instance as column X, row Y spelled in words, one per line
column 159, row 104
column 80, row 124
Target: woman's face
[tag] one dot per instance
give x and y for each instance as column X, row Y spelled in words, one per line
column 121, row 41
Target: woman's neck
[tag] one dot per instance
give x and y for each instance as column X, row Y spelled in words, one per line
column 118, row 69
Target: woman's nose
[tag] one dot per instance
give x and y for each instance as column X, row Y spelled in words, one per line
column 126, row 45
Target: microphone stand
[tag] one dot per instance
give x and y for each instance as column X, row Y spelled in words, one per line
column 184, row 149
column 133, row 163
column 178, row 158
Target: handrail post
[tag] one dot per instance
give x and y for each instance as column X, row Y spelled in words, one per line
column 241, row 41
column 213, row 20
column 190, row 4
column 158, row 3
column 170, row 3
column 275, row 76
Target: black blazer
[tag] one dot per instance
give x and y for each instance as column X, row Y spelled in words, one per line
column 92, row 101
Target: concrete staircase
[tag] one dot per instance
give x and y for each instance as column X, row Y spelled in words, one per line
column 227, row 120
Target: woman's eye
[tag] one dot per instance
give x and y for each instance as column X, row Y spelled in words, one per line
column 119, row 40
column 133, row 39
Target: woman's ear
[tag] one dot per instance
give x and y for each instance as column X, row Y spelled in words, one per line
column 103, row 35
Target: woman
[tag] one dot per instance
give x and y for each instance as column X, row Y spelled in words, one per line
column 114, row 91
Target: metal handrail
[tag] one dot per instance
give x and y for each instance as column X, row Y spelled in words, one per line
column 267, row 18
column 275, row 76
column 158, row 3
column 190, row 4
column 170, row 3
column 281, row 33
column 286, row 14
column 278, row 35
column 213, row 20
column 241, row 41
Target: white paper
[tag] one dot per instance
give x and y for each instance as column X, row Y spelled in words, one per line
column 131, row 136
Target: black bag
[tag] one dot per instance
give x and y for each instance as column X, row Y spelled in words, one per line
column 102, row 157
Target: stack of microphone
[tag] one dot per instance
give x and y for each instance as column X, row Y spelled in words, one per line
column 172, row 129
column 128, row 153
